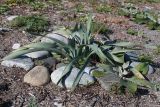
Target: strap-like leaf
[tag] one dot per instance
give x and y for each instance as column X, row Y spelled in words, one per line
column 141, row 82
column 137, row 73
column 143, row 68
column 68, row 68
column 132, row 87
column 123, row 44
column 19, row 53
column 80, row 73
column 89, row 24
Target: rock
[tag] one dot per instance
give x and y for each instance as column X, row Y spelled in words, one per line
column 85, row 80
column 38, row 76
column 25, row 63
column 60, row 65
column 50, row 62
column 108, row 81
column 150, row 71
column 10, row 18
column 16, row 46
column 37, row 54
column 131, row 56
column 89, row 70
column 55, row 36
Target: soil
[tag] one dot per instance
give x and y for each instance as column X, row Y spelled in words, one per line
column 15, row 93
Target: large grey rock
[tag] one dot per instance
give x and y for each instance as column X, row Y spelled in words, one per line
column 85, row 80
column 108, row 81
column 150, row 71
column 38, row 76
column 25, row 63
column 37, row 54
column 55, row 36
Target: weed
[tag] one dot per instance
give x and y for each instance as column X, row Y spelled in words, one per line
column 100, row 28
column 145, row 58
column 80, row 7
column 142, row 1
column 38, row 5
column 19, row 2
column 141, row 17
column 132, row 32
column 4, row 8
column 33, row 24
column 32, row 102
column 103, row 8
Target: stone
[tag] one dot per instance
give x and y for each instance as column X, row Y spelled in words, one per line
column 85, row 80
column 150, row 71
column 10, row 18
column 16, row 46
column 37, row 54
column 50, row 62
column 108, row 81
column 38, row 76
column 131, row 56
column 55, row 36
column 25, row 63
column 60, row 65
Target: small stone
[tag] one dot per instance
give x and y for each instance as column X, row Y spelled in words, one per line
column 108, row 81
column 55, row 36
column 37, row 54
column 16, row 46
column 10, row 18
column 150, row 71
column 38, row 76
column 86, row 79
column 25, row 63
column 50, row 62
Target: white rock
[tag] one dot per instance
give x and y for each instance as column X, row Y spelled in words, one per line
column 25, row 63
column 10, row 18
column 150, row 71
column 55, row 36
column 58, row 104
column 89, row 70
column 16, row 46
column 37, row 54
column 85, row 80
column 38, row 76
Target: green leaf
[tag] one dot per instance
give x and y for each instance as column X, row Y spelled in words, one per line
column 105, row 67
column 123, row 44
column 141, row 82
column 119, row 50
column 19, row 53
column 137, row 73
column 80, row 73
column 143, row 68
column 101, row 55
column 68, row 68
column 40, row 45
column 89, row 24
column 117, row 59
column 132, row 87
